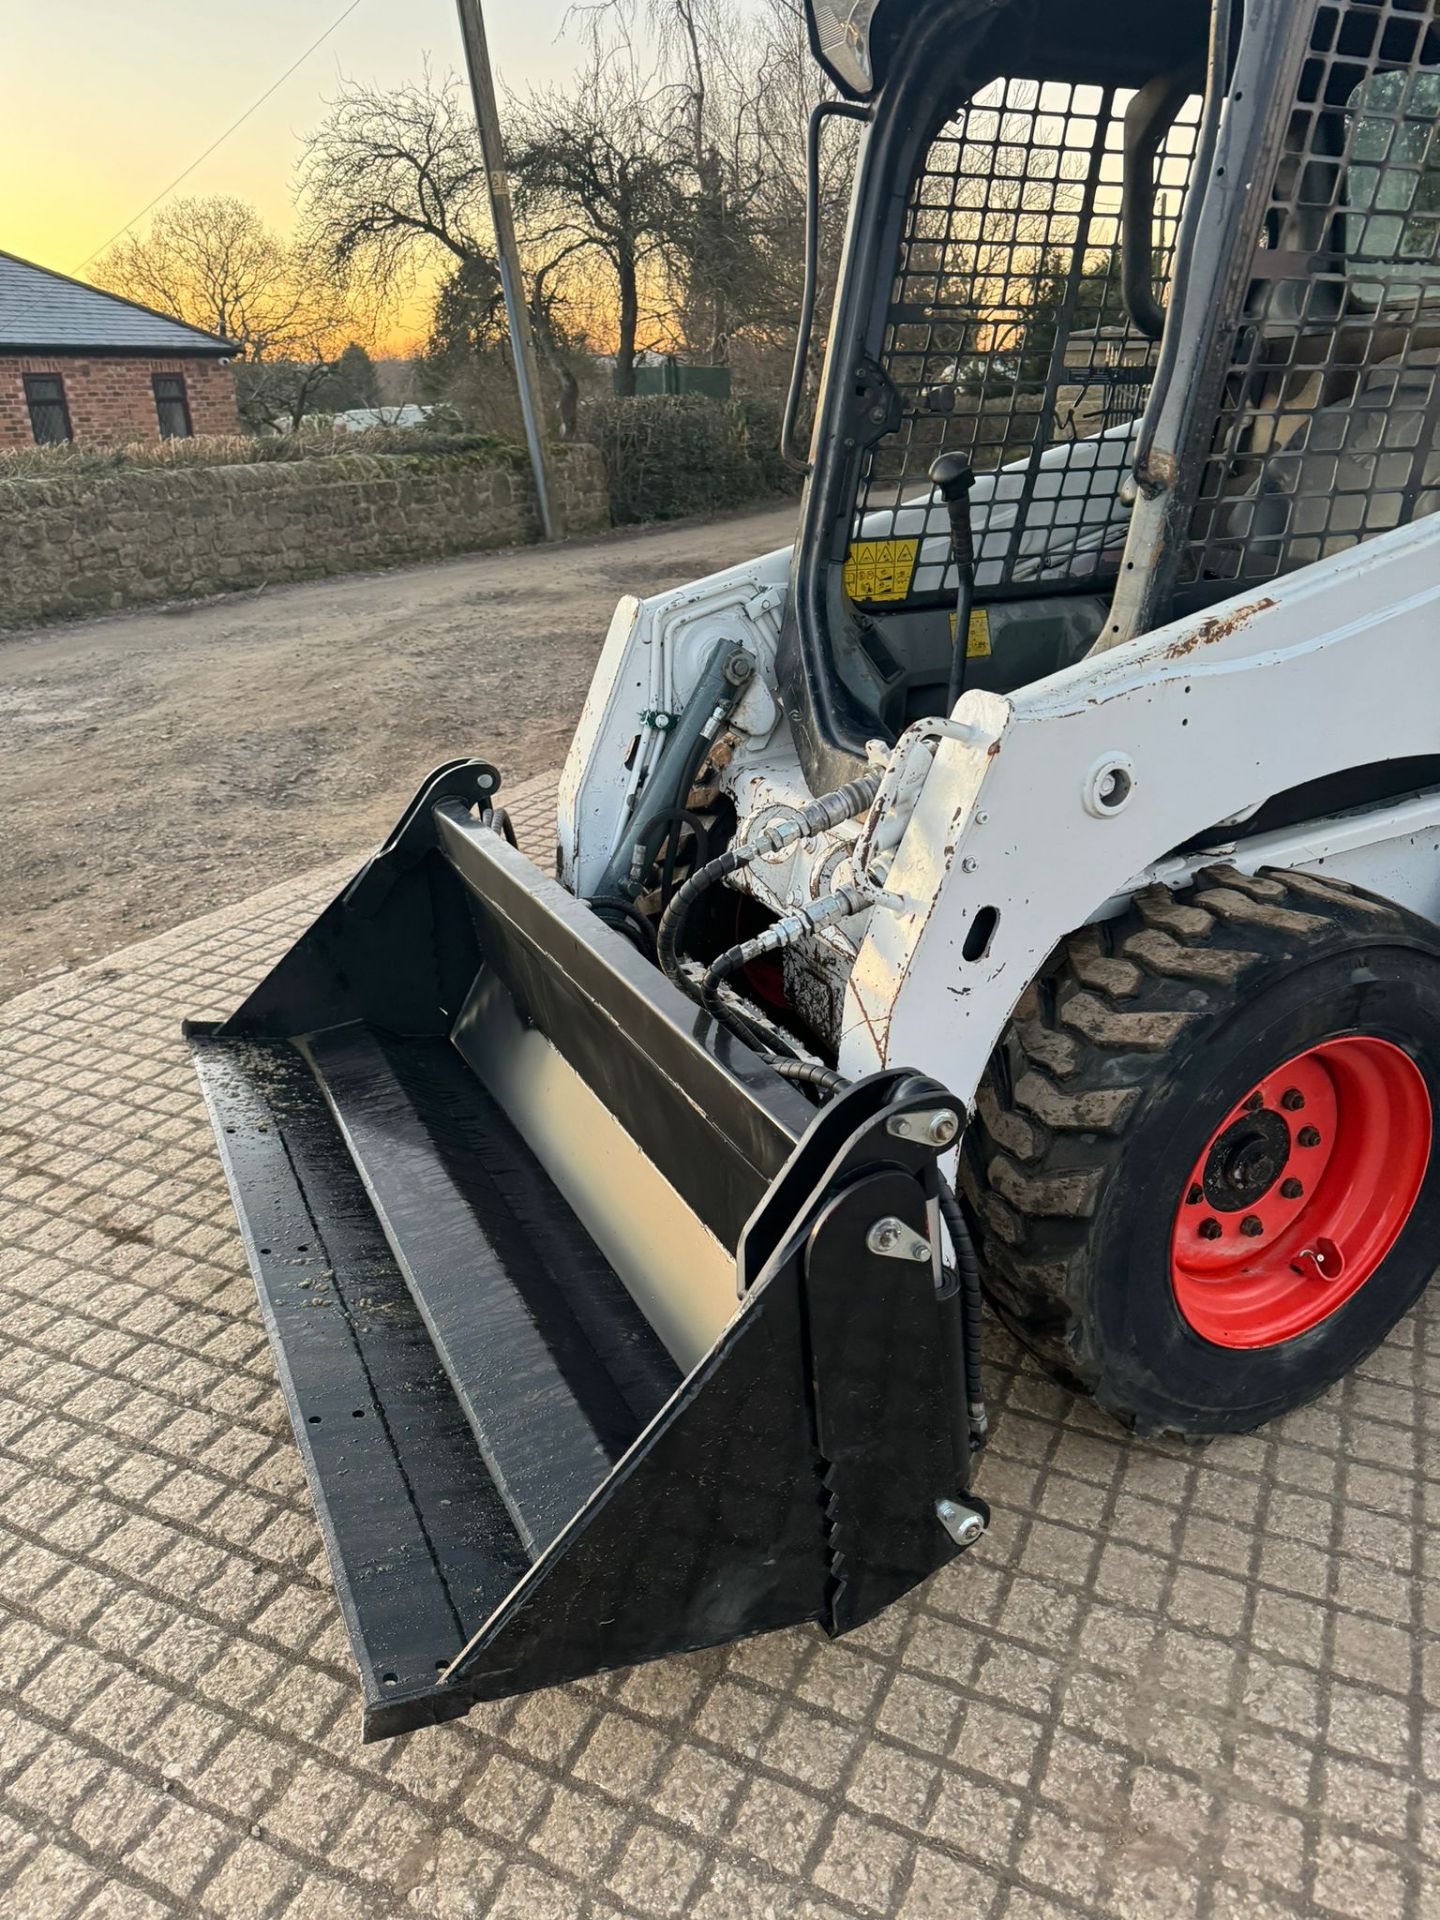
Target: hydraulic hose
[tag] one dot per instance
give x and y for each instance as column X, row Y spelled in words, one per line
column 672, row 921
column 968, row 1267
column 749, row 1026
column 783, row 933
column 818, row 817
column 614, row 908
column 967, row 1264
column 809, row 1073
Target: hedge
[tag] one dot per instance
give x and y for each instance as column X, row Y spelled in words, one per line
column 670, row 455
column 65, row 461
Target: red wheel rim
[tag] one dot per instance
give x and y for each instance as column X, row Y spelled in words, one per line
column 1300, row 1192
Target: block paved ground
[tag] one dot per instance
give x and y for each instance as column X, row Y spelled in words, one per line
column 1170, row 1682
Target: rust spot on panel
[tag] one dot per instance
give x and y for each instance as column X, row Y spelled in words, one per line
column 1216, row 627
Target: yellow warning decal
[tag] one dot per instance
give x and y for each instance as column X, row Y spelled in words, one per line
column 977, row 642
column 878, row 570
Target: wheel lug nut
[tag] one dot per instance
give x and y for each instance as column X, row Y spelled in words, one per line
column 1255, row 1103
column 1252, row 1225
column 1309, row 1136
column 1210, row 1229
column 1292, row 1099
column 1291, row 1189
column 1195, row 1196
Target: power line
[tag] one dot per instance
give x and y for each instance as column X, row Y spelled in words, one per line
column 234, row 124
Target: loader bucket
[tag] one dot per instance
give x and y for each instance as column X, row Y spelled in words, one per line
column 584, row 1345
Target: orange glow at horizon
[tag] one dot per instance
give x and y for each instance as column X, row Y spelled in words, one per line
column 148, row 86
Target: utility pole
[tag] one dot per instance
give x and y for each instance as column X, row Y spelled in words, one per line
column 497, row 181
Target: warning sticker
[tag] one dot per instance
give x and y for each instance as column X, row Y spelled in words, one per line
column 977, row 643
column 878, row 570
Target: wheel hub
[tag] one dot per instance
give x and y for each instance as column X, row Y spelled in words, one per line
column 1300, row 1192
column 1245, row 1161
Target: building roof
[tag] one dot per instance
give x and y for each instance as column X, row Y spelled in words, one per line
column 46, row 312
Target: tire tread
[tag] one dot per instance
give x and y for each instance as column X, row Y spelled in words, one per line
column 1088, row 1042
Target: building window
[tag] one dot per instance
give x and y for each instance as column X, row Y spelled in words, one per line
column 171, row 406
column 49, row 416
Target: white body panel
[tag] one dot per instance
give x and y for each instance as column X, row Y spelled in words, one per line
column 655, row 648
column 652, row 656
column 1331, row 667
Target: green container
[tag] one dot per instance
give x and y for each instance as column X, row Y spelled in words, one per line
column 710, row 383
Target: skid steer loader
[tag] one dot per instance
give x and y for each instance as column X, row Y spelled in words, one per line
column 1066, row 803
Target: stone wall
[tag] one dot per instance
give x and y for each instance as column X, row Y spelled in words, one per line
column 111, row 399
column 95, row 543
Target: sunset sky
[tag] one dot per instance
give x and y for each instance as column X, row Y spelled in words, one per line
column 140, row 88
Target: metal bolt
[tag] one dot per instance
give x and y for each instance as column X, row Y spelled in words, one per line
column 877, row 414
column 1255, row 1103
column 1252, row 1225
column 1292, row 1099
column 963, row 1524
column 895, row 1241
column 1309, row 1136
column 981, row 818
column 1210, row 1229
column 968, row 866
column 936, row 1126
column 1195, row 1196
column 1291, row 1189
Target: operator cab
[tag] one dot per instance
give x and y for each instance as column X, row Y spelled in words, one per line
column 1014, row 233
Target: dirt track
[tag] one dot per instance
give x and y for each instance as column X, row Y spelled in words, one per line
column 160, row 764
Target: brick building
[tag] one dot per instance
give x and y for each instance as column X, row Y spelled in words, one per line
column 79, row 364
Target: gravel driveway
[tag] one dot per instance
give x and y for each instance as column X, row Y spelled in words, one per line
column 161, row 764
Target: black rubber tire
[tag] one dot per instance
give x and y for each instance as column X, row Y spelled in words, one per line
column 1114, row 1070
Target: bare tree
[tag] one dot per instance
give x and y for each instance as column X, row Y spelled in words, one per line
column 212, row 262
column 391, row 177
column 594, row 186
column 657, row 205
column 279, row 387
column 738, row 85
column 393, row 181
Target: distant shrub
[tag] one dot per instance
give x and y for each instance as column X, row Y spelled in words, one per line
column 65, row 460
column 666, row 456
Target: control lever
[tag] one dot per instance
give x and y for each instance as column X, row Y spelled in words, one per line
column 952, row 476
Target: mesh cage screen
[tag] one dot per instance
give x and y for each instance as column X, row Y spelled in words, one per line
column 1329, row 395
column 1007, row 339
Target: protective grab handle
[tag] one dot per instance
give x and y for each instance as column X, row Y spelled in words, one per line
column 1148, row 119
column 826, row 110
